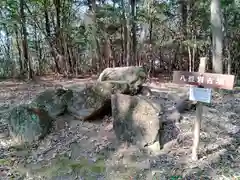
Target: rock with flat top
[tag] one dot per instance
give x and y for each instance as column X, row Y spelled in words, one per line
column 135, row 76
column 94, row 101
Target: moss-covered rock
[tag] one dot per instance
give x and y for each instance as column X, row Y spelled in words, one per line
column 52, row 100
column 28, row 124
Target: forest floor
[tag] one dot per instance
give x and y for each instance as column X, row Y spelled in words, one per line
column 82, row 150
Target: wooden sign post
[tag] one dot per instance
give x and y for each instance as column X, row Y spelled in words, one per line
column 201, row 81
column 198, row 120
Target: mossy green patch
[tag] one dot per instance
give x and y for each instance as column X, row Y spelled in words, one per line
column 23, row 147
column 5, row 162
column 63, row 165
column 125, row 173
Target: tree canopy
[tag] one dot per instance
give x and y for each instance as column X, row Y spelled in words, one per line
column 74, row 37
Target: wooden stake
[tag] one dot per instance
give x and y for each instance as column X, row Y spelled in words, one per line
column 197, row 122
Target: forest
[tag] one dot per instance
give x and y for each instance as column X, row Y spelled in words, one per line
column 87, row 89
column 78, row 37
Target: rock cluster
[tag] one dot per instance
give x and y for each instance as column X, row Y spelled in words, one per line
column 136, row 119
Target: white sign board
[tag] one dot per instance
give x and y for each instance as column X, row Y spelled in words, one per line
column 200, row 94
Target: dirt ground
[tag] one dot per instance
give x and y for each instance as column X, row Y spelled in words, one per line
column 82, row 150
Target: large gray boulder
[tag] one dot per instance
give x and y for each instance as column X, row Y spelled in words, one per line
column 135, row 76
column 30, row 122
column 51, row 100
column 94, row 101
column 137, row 119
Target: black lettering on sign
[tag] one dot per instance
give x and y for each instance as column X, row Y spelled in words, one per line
column 207, row 80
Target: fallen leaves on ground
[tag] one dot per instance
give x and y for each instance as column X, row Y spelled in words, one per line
column 91, row 150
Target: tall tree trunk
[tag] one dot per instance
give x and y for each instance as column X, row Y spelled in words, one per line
column 128, row 38
column 58, row 27
column 27, row 63
column 19, row 49
column 190, row 31
column 37, row 50
column 134, row 39
column 94, row 28
column 217, row 36
column 60, row 50
column 125, row 34
column 150, row 22
column 47, row 23
column 184, row 16
column 48, row 32
column 227, row 37
column 150, row 31
column 122, row 55
column 41, row 65
column 8, row 43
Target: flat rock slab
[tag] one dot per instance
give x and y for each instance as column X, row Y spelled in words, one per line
column 135, row 76
column 94, row 100
column 136, row 119
column 132, row 74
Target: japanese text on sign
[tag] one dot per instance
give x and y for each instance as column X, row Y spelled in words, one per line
column 201, row 80
column 207, row 80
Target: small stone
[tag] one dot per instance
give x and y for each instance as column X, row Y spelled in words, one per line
column 174, row 116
